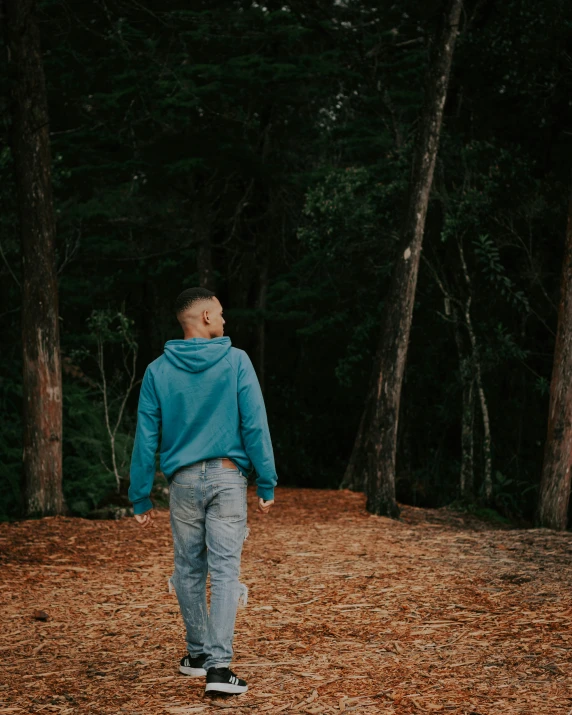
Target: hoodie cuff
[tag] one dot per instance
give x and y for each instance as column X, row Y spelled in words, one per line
column 143, row 505
column 267, row 493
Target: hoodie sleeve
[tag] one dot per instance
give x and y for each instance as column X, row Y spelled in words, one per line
column 142, row 473
column 254, row 428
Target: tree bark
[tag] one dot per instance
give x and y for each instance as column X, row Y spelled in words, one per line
column 456, row 312
column 476, row 362
column 42, row 379
column 467, row 480
column 471, row 376
column 467, row 475
column 556, row 471
column 487, row 441
column 394, row 336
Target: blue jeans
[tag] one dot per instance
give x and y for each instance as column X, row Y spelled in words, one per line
column 208, row 521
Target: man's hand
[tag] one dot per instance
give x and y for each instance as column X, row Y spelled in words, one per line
column 264, row 506
column 146, row 519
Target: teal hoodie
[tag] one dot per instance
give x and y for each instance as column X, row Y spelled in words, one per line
column 205, row 398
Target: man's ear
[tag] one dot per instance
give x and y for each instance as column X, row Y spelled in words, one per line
column 206, row 316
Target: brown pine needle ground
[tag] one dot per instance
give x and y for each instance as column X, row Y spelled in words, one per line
column 346, row 611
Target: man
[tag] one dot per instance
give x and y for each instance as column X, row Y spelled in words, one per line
column 205, row 397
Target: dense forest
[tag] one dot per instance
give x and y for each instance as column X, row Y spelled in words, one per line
column 267, row 151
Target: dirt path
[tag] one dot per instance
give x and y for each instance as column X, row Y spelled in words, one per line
column 346, row 612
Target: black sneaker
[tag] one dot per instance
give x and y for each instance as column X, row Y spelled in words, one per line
column 223, row 680
column 193, row 666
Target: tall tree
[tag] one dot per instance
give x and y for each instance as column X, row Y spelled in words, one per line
column 42, row 382
column 389, row 366
column 556, row 471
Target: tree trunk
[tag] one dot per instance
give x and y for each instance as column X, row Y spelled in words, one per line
column 467, row 476
column 555, row 483
column 458, row 311
column 467, row 442
column 487, row 441
column 394, row 338
column 42, row 380
column 476, row 362
column 466, row 370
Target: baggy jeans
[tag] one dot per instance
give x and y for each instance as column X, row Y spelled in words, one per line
column 208, row 519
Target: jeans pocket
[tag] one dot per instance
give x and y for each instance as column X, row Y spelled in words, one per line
column 230, row 501
column 182, row 500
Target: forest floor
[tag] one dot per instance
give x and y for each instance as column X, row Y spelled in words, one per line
column 346, row 611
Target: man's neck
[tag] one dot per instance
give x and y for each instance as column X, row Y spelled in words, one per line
column 191, row 335
column 196, row 333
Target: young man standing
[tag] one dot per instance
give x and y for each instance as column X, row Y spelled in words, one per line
column 205, row 397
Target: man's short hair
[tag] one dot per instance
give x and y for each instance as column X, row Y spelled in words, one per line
column 191, row 296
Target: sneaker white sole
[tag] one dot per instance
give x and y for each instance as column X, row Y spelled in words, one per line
column 194, row 672
column 225, row 688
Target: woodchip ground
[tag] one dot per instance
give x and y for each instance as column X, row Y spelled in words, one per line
column 346, row 611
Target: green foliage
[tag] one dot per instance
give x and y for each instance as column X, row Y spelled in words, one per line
column 489, row 258
column 285, row 136
column 111, row 330
column 87, row 478
column 481, row 512
column 508, row 494
column 97, row 443
column 109, row 327
column 346, row 256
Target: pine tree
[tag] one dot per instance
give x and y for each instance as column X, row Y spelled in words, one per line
column 557, row 469
column 380, row 442
column 42, row 381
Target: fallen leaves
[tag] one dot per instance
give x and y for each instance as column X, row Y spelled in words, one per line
column 347, row 613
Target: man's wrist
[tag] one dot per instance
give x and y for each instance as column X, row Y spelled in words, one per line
column 142, row 506
column 266, row 493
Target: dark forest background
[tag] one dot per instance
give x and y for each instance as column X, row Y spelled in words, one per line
column 264, row 150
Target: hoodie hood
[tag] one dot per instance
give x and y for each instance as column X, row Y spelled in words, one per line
column 196, row 354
